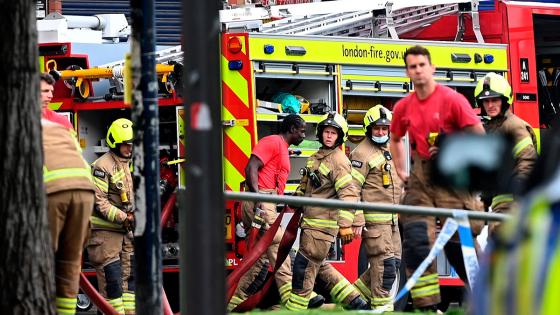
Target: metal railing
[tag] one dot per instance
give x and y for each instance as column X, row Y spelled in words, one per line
column 366, row 206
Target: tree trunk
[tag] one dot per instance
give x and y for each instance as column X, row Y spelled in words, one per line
column 26, row 258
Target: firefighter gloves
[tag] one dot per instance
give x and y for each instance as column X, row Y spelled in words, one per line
column 346, row 235
column 129, row 223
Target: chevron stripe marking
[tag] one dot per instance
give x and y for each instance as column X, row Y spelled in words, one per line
column 234, row 154
column 232, row 176
column 238, row 84
column 242, row 138
column 233, row 103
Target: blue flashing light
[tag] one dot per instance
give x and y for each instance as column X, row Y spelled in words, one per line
column 488, row 58
column 235, row 65
column 268, row 49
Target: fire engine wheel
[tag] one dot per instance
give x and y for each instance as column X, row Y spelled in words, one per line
column 84, row 303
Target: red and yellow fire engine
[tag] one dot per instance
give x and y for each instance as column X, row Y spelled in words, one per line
column 344, row 74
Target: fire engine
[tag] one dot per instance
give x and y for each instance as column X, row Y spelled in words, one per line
column 526, row 28
column 303, row 55
column 347, row 75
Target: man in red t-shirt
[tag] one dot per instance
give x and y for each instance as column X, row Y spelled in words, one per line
column 432, row 109
column 47, row 89
column 267, row 172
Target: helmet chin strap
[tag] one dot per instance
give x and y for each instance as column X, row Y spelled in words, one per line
column 117, row 152
column 378, row 140
column 338, row 142
column 325, row 146
column 503, row 110
column 504, row 107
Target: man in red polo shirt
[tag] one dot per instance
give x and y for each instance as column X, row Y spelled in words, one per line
column 47, row 89
column 267, row 172
column 432, row 109
column 70, row 198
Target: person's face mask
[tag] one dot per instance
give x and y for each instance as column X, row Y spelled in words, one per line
column 380, row 140
column 380, row 134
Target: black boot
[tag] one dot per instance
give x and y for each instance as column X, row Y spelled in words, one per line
column 316, row 301
column 428, row 309
column 358, row 304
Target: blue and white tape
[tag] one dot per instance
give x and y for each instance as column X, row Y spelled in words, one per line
column 467, row 246
column 445, row 234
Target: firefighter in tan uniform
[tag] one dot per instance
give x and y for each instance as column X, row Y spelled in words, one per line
column 327, row 175
column 267, row 173
column 373, row 171
column 70, row 196
column 494, row 95
column 110, row 247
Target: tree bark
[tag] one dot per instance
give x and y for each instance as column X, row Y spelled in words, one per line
column 26, row 257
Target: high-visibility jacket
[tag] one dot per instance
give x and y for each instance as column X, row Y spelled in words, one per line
column 113, row 181
column 524, row 150
column 370, row 164
column 333, row 170
column 64, row 168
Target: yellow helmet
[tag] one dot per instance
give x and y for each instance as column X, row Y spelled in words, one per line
column 119, row 132
column 335, row 120
column 378, row 115
column 491, row 86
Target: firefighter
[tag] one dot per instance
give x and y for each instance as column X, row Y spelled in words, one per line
column 521, row 274
column 373, row 172
column 47, row 90
column 267, row 173
column 494, row 96
column 427, row 114
column 327, row 175
column 70, row 197
column 110, row 247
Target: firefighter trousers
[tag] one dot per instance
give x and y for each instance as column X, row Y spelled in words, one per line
column 383, row 250
column 68, row 213
column 250, row 282
column 419, row 232
column 112, row 255
column 310, row 265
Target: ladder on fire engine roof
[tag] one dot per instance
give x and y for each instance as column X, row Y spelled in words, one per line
column 378, row 18
column 174, row 54
column 375, row 18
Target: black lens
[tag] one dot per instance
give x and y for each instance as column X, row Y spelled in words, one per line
column 387, row 155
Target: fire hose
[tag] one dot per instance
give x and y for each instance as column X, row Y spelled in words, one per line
column 100, row 302
column 165, row 215
column 257, row 251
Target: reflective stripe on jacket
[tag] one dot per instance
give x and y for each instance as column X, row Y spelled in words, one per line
column 113, row 181
column 333, row 170
column 368, row 161
column 64, row 168
column 525, row 146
